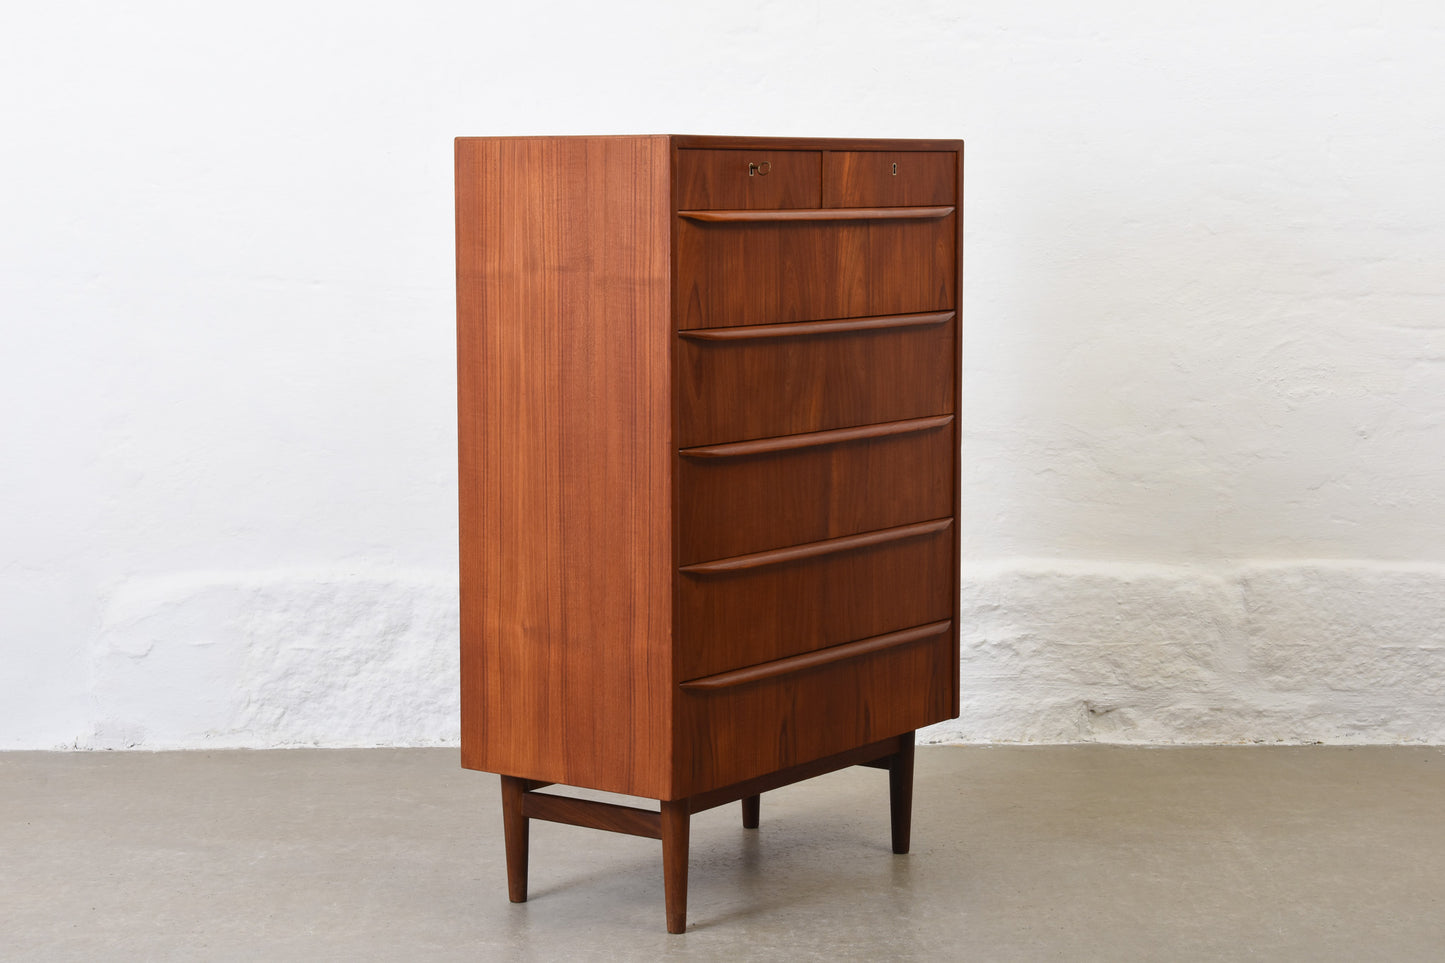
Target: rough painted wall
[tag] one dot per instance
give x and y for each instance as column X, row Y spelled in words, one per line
column 1205, row 406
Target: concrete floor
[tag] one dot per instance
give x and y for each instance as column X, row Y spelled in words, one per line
column 1057, row 853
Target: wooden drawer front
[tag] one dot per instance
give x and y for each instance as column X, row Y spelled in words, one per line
column 763, row 273
column 746, row 497
column 748, row 180
column 755, row 608
column 759, row 385
column 735, row 732
column 875, row 178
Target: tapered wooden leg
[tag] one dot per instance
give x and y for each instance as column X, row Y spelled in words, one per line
column 751, row 805
column 675, row 819
column 900, row 795
column 514, row 830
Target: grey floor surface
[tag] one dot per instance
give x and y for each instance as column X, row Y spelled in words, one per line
column 1049, row 853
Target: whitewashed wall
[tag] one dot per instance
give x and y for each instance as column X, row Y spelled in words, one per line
column 1205, row 311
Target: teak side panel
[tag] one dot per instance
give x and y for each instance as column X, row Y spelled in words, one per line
column 777, row 271
column 730, row 620
column 734, row 390
column 563, row 344
column 735, row 734
column 740, row 504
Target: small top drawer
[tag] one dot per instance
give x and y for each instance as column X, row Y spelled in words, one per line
column 748, row 180
column 875, row 178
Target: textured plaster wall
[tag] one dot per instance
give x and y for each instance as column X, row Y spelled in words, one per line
column 1205, row 399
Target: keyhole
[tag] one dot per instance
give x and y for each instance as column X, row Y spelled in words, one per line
column 895, row 170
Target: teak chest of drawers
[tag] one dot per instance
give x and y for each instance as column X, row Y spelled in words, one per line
column 708, row 392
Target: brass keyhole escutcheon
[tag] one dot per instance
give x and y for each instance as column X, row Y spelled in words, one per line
column 895, row 170
column 762, row 170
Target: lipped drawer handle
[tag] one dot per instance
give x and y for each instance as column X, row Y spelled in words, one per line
column 818, row 658
column 760, row 170
column 811, row 550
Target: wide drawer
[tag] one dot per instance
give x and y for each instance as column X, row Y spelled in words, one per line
column 875, row 178
column 754, row 495
column 734, row 384
column 754, row 608
column 734, row 273
column 742, row 725
column 748, row 180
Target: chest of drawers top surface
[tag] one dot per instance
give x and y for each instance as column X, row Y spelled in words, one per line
column 708, row 446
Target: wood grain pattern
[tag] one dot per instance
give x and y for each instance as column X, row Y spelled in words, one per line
column 738, row 618
column 757, row 332
column 780, row 506
column 854, row 213
column 812, row 270
column 592, row 814
column 811, row 660
column 754, row 495
column 563, row 406
column 721, row 179
column 879, row 752
column 888, row 178
column 812, row 550
column 735, row 734
column 957, row 353
column 805, row 384
column 816, row 439
column 708, row 454
column 713, row 141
